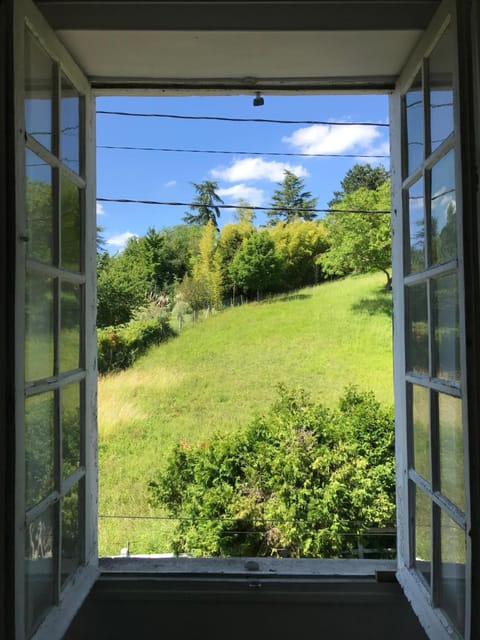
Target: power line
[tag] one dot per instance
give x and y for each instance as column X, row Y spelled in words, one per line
column 195, row 205
column 231, row 119
column 244, row 153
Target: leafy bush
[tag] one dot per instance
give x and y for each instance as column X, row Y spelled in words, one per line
column 119, row 347
column 303, row 480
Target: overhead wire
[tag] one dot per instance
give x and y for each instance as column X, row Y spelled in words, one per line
column 175, row 116
column 195, row 205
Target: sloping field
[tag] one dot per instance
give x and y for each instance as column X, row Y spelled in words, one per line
column 220, row 373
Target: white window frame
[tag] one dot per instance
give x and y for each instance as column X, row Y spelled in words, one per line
column 56, row 622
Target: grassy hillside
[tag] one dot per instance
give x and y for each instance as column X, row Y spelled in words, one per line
column 220, row 373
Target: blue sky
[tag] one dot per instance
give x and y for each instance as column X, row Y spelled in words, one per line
column 149, row 175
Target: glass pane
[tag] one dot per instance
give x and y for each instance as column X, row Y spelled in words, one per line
column 71, row 546
column 39, row 569
column 39, row 447
column 414, row 122
column 421, row 430
column 452, row 571
column 71, row 308
column 71, row 225
column 443, row 205
column 39, row 351
column 423, row 539
column 441, row 90
column 38, row 92
column 39, row 208
column 446, row 323
column 71, row 428
column 70, row 126
column 416, row 216
column 417, row 329
column 452, row 479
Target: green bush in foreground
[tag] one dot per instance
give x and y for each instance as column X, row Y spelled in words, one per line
column 303, row 481
column 119, row 347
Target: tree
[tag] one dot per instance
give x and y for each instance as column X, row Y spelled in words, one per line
column 360, row 175
column 231, row 238
column 244, row 212
column 360, row 242
column 291, row 202
column 205, row 204
column 206, row 269
column 257, row 266
column 300, row 244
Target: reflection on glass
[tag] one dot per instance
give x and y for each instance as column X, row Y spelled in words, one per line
column 39, row 569
column 39, row 351
column 443, row 204
column 452, row 571
column 39, row 447
column 70, row 126
column 423, row 553
column 71, row 306
column 71, row 225
column 452, row 480
column 446, row 324
column 70, row 428
column 71, row 544
column 39, row 207
column 416, row 216
column 414, row 121
column 417, row 329
column 421, row 430
column 441, row 89
column 38, row 92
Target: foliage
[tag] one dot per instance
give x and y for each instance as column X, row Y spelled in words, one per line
column 231, row 238
column 303, row 480
column 360, row 176
column 205, row 204
column 300, row 245
column 206, row 269
column 360, row 242
column 290, row 201
column 257, row 266
column 119, row 347
column 195, row 293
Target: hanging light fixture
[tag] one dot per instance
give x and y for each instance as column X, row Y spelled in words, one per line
column 258, row 101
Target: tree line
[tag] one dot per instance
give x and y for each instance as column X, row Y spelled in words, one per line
column 198, row 266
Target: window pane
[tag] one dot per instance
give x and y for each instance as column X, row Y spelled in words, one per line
column 446, row 323
column 70, row 126
column 39, row 447
column 421, row 430
column 38, row 92
column 71, row 428
column 39, row 351
column 414, row 124
column 416, row 216
column 417, row 329
column 71, row 226
column 39, row 208
column 423, row 539
column 452, row 480
column 441, row 90
column 39, row 569
column 452, row 571
column 71, row 308
column 443, row 207
column 71, row 547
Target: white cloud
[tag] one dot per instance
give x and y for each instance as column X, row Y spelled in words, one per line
column 257, row 169
column 121, row 239
column 101, row 209
column 242, row 191
column 329, row 138
column 170, row 183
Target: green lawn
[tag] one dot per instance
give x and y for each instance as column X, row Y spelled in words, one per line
column 218, row 374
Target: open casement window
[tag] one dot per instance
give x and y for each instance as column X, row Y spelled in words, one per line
column 56, row 550
column 429, row 342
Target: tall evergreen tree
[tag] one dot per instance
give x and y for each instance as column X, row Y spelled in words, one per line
column 360, row 175
column 290, row 201
column 205, row 204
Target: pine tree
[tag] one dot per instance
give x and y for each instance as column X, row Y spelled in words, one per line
column 205, row 204
column 291, row 202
